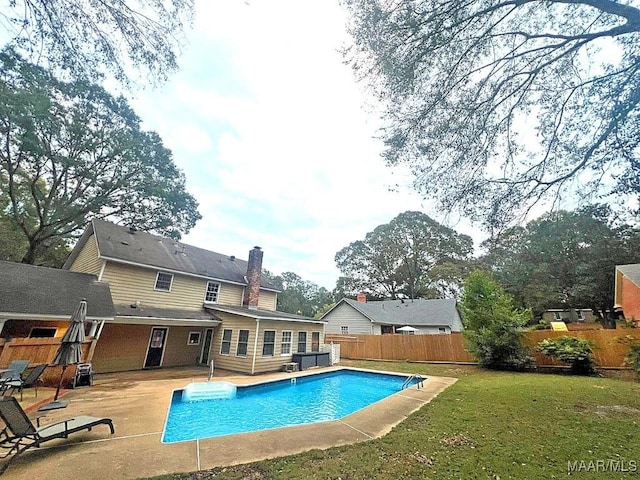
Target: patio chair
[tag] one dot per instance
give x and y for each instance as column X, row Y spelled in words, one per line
column 30, row 380
column 15, row 370
column 21, row 434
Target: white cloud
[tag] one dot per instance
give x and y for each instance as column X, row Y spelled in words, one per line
column 267, row 123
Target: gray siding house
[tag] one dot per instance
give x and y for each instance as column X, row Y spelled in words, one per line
column 424, row 317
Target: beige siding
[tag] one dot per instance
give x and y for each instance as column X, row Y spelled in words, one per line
column 124, row 347
column 129, row 284
column 87, row 260
column 267, row 300
column 232, row 361
column 262, row 364
column 345, row 315
column 272, row 363
column 121, row 348
column 230, row 294
column 177, row 352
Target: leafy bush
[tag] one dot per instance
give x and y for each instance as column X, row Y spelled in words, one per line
column 574, row 351
column 540, row 326
column 492, row 325
column 633, row 358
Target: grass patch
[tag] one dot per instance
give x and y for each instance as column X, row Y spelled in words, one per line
column 493, row 425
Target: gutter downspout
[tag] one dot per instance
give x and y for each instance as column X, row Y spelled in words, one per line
column 255, row 347
column 99, row 332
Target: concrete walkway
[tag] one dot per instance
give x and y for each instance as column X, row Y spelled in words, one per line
column 138, row 403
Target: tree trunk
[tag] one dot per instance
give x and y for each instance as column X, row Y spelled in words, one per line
column 605, row 318
column 30, row 255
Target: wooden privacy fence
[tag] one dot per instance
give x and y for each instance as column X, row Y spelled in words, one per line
column 41, row 350
column 609, row 346
column 431, row 348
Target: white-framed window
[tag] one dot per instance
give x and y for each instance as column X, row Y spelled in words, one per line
column 211, row 295
column 302, row 342
column 164, row 281
column 580, row 315
column 557, row 316
column 315, row 341
column 243, row 343
column 225, row 348
column 344, row 329
column 285, row 345
column 268, row 343
column 194, row 338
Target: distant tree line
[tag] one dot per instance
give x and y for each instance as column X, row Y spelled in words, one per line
column 564, row 259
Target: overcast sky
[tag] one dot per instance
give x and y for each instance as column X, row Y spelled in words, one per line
column 271, row 130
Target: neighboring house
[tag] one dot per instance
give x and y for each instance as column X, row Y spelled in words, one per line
column 427, row 317
column 570, row 315
column 37, row 302
column 173, row 304
column 627, row 291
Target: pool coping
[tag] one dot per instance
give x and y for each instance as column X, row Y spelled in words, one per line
column 138, row 410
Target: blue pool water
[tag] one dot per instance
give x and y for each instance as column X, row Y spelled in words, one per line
column 312, row 398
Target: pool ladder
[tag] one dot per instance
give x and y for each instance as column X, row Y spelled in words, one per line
column 419, row 379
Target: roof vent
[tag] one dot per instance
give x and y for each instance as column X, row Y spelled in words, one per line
column 132, row 229
column 232, row 258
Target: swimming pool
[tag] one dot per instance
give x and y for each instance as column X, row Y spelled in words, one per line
column 281, row 403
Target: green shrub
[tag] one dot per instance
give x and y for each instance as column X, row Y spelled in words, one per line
column 540, row 326
column 492, row 326
column 633, row 358
column 574, row 351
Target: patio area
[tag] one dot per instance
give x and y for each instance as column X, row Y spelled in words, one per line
column 138, row 403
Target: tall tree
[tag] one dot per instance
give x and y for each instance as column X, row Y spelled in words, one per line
column 89, row 38
column 565, row 260
column 299, row 296
column 70, row 152
column 413, row 254
column 497, row 105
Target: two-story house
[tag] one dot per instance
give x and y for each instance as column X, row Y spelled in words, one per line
column 178, row 305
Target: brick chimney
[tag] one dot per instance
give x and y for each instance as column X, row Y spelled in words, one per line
column 361, row 297
column 254, row 272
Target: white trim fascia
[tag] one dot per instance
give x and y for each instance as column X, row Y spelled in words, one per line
column 41, row 316
column 256, row 315
column 255, row 347
column 104, row 265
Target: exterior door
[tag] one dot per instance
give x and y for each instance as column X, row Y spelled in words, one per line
column 208, row 337
column 156, row 347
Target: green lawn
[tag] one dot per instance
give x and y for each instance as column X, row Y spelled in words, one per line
column 488, row 425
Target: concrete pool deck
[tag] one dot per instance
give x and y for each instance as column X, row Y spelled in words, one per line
column 138, row 403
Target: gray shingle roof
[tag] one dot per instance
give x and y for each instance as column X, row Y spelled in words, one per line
column 632, row 272
column 262, row 314
column 153, row 312
column 121, row 244
column 47, row 292
column 419, row 312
